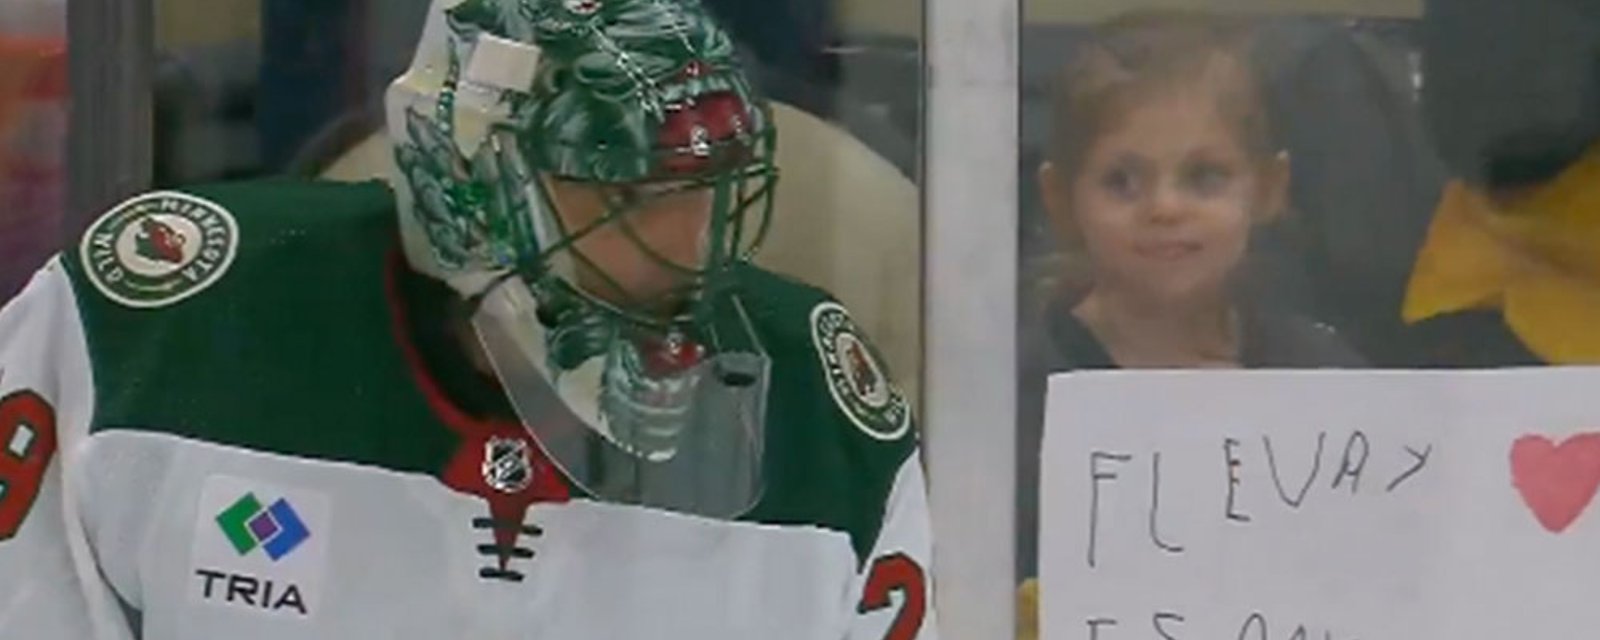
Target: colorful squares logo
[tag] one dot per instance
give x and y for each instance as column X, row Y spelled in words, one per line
column 277, row 530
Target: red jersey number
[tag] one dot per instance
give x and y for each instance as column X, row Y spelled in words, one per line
column 897, row 573
column 27, row 442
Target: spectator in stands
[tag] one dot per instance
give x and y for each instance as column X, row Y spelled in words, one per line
column 1159, row 165
column 1510, row 272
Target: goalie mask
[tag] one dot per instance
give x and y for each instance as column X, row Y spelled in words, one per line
column 590, row 175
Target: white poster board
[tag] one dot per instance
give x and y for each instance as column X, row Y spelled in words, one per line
column 1321, row 506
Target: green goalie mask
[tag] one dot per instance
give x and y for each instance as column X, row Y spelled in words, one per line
column 590, row 175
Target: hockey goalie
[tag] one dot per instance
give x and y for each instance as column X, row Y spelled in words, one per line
column 530, row 387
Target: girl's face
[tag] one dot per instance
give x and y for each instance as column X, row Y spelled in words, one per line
column 1165, row 198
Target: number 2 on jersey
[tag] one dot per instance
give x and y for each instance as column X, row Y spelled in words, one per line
column 897, row 573
column 27, row 442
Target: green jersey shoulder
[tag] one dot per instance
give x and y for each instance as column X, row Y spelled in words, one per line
column 262, row 315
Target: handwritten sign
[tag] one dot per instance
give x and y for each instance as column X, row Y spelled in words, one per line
column 1321, row 506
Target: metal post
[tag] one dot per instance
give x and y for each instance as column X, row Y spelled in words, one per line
column 970, row 189
column 110, row 149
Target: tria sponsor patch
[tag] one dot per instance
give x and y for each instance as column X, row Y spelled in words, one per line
column 259, row 548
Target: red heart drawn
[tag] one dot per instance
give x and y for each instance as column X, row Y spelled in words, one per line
column 1556, row 481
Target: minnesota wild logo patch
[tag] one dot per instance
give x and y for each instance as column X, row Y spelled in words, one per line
column 856, row 376
column 159, row 249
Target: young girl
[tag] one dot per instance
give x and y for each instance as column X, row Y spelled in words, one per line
column 1159, row 165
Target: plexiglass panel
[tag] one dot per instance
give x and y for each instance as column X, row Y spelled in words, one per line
column 570, row 318
column 33, row 126
column 1312, row 185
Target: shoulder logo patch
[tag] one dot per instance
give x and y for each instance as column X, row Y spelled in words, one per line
column 856, row 376
column 159, row 249
column 259, row 549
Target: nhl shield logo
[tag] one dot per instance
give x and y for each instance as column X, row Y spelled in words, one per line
column 159, row 249
column 507, row 465
column 856, row 376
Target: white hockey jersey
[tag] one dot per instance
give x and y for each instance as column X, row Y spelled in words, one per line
column 220, row 418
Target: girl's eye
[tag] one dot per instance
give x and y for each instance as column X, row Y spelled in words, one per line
column 1208, row 178
column 1121, row 182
